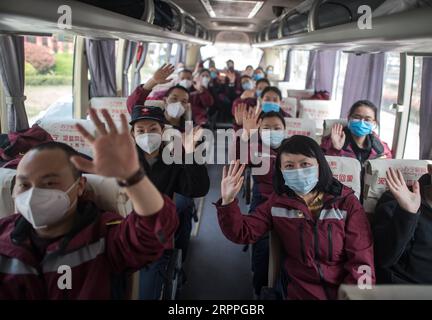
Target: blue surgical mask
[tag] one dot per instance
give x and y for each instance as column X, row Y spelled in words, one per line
column 272, row 138
column 258, row 76
column 258, row 93
column 270, row 106
column 360, row 128
column 247, row 85
column 213, row 75
column 301, row 181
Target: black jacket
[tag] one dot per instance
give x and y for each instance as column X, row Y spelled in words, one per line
column 403, row 241
column 190, row 180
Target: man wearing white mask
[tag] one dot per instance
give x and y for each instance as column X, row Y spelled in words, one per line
column 56, row 227
column 186, row 180
column 177, row 106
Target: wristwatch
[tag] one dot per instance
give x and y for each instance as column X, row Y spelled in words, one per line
column 134, row 179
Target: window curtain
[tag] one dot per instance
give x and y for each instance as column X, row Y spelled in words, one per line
column 141, row 55
column 12, row 61
column 363, row 80
column 101, row 62
column 321, row 70
column 287, row 74
column 130, row 49
column 426, row 110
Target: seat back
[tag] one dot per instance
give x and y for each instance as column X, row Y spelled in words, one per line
column 328, row 124
column 104, row 192
column 7, row 182
column 115, row 106
column 347, row 171
column 63, row 130
column 304, row 127
column 375, row 177
column 289, row 105
column 319, row 110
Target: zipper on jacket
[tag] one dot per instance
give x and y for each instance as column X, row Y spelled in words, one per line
column 302, row 245
column 318, row 264
column 330, row 241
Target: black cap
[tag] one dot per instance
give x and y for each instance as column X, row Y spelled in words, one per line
column 140, row 112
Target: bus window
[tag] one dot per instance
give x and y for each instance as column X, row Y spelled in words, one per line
column 412, row 145
column 157, row 55
column 389, row 96
column 242, row 54
column 48, row 76
column 299, row 65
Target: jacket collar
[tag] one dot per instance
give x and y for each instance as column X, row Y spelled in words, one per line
column 86, row 214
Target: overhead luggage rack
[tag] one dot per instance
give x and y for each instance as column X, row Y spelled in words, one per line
column 21, row 16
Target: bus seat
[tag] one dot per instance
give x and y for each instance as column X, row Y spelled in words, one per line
column 375, row 177
column 385, row 292
column 7, row 182
column 63, row 130
column 103, row 191
column 289, row 105
column 155, row 103
column 304, row 127
column 328, row 124
column 115, row 106
column 107, row 195
column 319, row 110
column 347, row 171
column 300, row 94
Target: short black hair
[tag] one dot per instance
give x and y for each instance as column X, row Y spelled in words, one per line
column 204, row 70
column 245, row 76
column 365, row 103
column 249, row 66
column 272, row 89
column 66, row 149
column 273, row 114
column 176, row 87
column 262, row 80
column 308, row 147
column 230, row 60
column 187, row 71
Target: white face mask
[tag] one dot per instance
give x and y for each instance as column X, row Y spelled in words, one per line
column 186, row 83
column 205, row 81
column 175, row 109
column 44, row 207
column 149, row 142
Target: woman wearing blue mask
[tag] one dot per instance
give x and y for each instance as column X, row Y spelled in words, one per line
column 324, row 232
column 270, row 128
column 271, row 100
column 357, row 140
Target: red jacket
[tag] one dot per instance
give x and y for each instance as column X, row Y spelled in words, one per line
column 378, row 147
column 320, row 254
column 104, row 248
column 137, row 97
column 200, row 102
column 264, row 182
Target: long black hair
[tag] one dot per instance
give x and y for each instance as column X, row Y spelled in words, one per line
column 364, row 103
column 308, row 147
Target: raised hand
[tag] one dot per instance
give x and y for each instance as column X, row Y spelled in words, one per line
column 248, row 94
column 337, row 136
column 232, row 181
column 161, row 74
column 251, row 119
column 191, row 138
column 114, row 152
column 407, row 200
column 239, row 113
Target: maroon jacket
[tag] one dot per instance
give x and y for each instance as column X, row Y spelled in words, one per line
column 137, row 97
column 200, row 102
column 378, row 147
column 264, row 182
column 101, row 249
column 320, row 254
